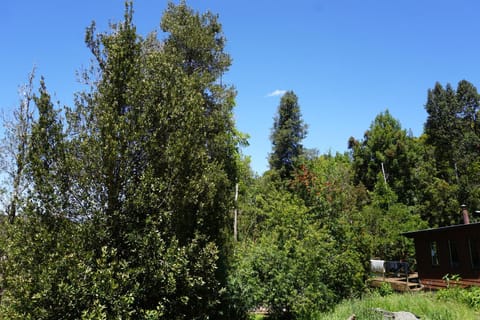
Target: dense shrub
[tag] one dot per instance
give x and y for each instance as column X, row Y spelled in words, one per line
column 469, row 296
column 295, row 267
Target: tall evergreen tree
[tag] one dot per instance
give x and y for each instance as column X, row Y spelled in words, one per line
column 443, row 129
column 452, row 128
column 287, row 135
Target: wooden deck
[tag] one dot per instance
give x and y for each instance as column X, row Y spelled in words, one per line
column 402, row 284
column 436, row 284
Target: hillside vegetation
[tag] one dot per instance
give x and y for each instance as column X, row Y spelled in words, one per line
column 137, row 202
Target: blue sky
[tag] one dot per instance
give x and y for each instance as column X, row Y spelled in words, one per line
column 347, row 60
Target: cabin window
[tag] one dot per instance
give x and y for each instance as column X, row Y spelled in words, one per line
column 474, row 254
column 454, row 260
column 434, row 253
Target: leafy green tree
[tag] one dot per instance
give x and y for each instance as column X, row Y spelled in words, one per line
column 41, row 269
column 295, row 267
column 287, row 134
column 42, row 248
column 196, row 46
column 384, row 220
column 132, row 203
column 386, row 149
column 437, row 200
column 164, row 139
column 468, row 100
column 47, row 167
column 326, row 185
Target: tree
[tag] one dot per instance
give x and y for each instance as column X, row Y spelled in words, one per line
column 382, row 222
column 443, row 130
column 15, row 150
column 437, row 200
column 287, row 134
column 295, row 266
column 326, row 185
column 140, row 184
column 46, row 159
column 42, row 248
column 452, row 130
column 452, row 127
column 163, row 132
column 386, row 149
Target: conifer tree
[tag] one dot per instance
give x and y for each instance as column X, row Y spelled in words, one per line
column 287, row 135
column 452, row 130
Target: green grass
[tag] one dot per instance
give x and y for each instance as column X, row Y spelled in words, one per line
column 424, row 305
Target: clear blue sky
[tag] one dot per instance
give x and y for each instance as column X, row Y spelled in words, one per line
column 347, row 60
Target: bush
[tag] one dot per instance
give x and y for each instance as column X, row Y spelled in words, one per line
column 470, row 296
column 296, row 267
column 385, row 289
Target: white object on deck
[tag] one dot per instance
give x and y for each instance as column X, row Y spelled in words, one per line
column 377, row 266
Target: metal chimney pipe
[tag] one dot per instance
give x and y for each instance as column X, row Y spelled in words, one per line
column 466, row 218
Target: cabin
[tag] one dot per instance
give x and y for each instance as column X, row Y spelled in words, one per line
column 452, row 250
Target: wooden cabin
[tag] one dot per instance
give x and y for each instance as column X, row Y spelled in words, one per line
column 452, row 250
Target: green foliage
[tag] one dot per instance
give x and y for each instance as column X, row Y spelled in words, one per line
column 424, row 305
column 385, row 289
column 451, row 278
column 122, row 209
column 40, row 269
column 436, row 199
column 325, row 183
column 452, row 129
column 387, row 150
column 469, row 296
column 384, row 220
column 473, row 296
column 295, row 266
column 130, row 198
column 174, row 158
column 287, row 134
column 46, row 160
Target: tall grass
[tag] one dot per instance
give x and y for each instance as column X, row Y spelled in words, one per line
column 424, row 305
